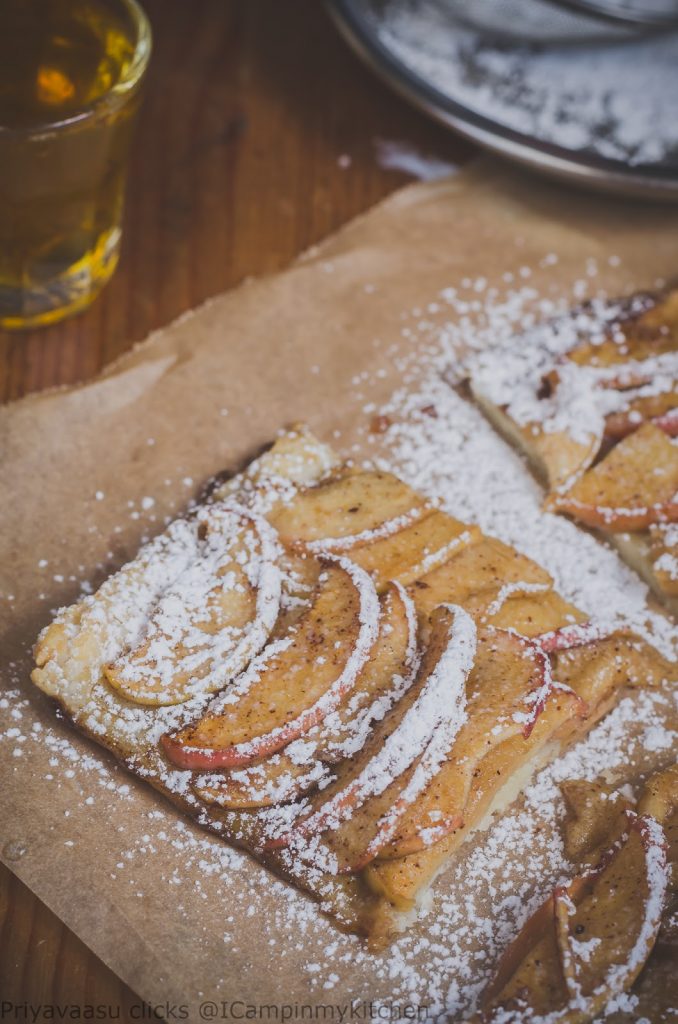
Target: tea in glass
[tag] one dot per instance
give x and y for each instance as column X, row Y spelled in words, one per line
column 70, row 72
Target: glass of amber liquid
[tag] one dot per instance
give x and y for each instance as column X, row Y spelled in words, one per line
column 70, row 76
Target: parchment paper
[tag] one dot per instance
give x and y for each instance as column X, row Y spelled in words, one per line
column 199, row 397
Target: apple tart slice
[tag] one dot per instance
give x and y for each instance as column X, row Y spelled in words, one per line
column 324, row 668
column 587, row 944
column 592, row 400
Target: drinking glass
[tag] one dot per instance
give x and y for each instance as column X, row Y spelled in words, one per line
column 70, row 78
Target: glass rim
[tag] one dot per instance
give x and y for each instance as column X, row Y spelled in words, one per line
column 113, row 97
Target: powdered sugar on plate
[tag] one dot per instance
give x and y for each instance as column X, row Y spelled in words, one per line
column 611, row 100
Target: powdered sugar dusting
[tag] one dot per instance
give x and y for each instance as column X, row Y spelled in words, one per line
column 612, row 106
column 427, row 730
column 499, row 493
column 445, row 959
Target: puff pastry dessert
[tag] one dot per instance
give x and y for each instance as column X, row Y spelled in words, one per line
column 592, row 400
column 326, row 669
column 587, row 944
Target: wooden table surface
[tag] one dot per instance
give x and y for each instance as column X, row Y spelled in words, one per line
column 260, row 134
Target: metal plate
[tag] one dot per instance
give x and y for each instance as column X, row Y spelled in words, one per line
column 361, row 22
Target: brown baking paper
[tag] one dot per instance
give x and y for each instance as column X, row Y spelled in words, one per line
column 106, row 853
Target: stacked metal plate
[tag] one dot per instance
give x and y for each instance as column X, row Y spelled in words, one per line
column 585, row 90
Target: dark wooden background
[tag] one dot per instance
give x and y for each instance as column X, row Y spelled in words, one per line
column 250, row 104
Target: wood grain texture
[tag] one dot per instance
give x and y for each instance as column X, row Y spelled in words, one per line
column 257, row 138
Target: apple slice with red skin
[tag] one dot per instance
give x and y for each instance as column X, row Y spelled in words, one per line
column 440, row 808
column 591, row 938
column 504, row 673
column 349, row 821
column 400, row 880
column 294, row 683
column 616, row 520
column 668, row 422
column 507, row 675
column 579, row 634
column 275, row 780
column 562, row 639
column 383, row 680
column 660, row 410
column 634, row 486
column 212, row 620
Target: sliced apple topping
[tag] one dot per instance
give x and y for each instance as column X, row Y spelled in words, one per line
column 644, row 330
column 634, row 486
column 474, row 577
column 400, row 880
column 579, row 634
column 598, row 671
column 565, row 457
column 637, row 373
column 593, row 810
column 303, row 765
column 416, row 550
column 380, row 522
column 659, row 409
column 277, row 779
column 350, row 821
column 348, row 509
column 212, row 619
column 664, row 555
column 544, row 685
column 660, row 801
column 590, row 940
column 507, row 691
column 294, row 684
column 668, row 421
column 384, row 680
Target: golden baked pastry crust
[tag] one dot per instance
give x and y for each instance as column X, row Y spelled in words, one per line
column 594, row 406
column 322, row 667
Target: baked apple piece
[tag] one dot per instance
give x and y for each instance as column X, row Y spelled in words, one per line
column 508, row 689
column 212, row 619
column 664, row 556
column 660, row 409
column 558, row 456
column 401, row 880
column 660, row 800
column 412, row 552
column 294, row 683
column 382, row 682
column 593, row 672
column 589, row 408
column 376, row 520
column 646, row 328
column 590, row 940
column 593, row 812
column 478, row 576
column 356, row 816
column 597, row 671
column 634, row 486
column 349, row 508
